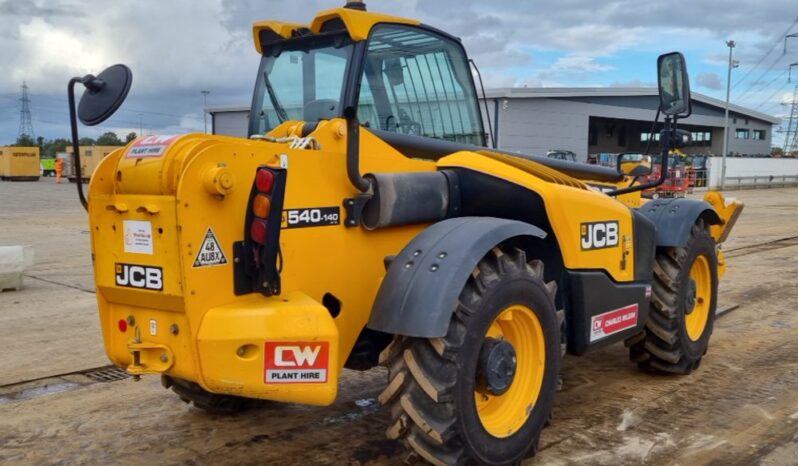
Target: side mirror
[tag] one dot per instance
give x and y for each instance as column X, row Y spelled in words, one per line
column 674, row 84
column 634, row 164
column 104, row 94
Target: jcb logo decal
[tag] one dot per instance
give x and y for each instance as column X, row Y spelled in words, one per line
column 599, row 235
column 139, row 276
column 296, row 362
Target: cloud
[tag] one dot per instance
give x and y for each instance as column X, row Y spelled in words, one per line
column 709, row 80
column 633, row 83
column 178, row 47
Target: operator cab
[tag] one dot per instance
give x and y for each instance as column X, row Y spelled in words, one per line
column 404, row 78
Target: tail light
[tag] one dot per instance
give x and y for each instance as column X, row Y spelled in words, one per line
column 256, row 266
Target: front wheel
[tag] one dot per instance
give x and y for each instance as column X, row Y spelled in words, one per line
column 484, row 392
column 683, row 301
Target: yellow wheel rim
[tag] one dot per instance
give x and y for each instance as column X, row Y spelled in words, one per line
column 696, row 321
column 505, row 414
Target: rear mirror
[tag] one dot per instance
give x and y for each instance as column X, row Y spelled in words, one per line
column 104, row 94
column 394, row 71
column 634, row 164
column 674, row 85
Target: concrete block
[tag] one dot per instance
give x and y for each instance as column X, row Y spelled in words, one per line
column 14, row 260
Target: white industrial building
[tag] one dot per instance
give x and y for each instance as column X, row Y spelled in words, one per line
column 587, row 121
column 615, row 119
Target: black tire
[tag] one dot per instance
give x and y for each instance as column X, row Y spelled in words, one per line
column 431, row 382
column 191, row 392
column 665, row 345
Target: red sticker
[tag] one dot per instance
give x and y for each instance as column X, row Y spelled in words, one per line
column 604, row 325
column 296, row 361
column 150, row 146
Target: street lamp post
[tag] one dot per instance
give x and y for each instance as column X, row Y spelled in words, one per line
column 732, row 64
column 205, row 107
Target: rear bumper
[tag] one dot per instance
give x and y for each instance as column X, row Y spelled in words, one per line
column 284, row 351
column 283, row 348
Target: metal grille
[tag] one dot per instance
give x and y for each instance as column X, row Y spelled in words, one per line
column 107, row 374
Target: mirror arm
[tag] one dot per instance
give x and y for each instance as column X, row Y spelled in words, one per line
column 75, row 145
column 666, row 137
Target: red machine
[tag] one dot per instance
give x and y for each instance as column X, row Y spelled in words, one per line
column 679, row 182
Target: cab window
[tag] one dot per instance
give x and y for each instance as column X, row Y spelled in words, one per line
column 418, row 82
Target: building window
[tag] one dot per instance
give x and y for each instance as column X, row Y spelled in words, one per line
column 759, row 134
column 741, row 134
column 644, row 137
column 702, row 138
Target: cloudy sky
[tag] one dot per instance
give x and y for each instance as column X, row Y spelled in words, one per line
column 178, row 47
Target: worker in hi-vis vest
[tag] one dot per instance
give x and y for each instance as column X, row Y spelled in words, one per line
column 59, row 168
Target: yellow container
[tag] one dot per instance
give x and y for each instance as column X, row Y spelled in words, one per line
column 19, row 163
column 90, row 157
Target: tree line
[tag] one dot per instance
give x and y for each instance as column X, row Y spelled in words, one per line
column 49, row 147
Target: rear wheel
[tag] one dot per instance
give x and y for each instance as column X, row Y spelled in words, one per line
column 683, row 303
column 484, row 392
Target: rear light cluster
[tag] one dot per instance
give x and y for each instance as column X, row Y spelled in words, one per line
column 261, row 248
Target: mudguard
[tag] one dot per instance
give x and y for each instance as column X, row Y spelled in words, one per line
column 420, row 289
column 675, row 217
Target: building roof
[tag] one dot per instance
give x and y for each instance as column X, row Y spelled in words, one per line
column 562, row 92
column 238, row 108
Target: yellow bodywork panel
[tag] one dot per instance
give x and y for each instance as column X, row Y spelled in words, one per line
column 568, row 209
column 728, row 210
column 358, row 24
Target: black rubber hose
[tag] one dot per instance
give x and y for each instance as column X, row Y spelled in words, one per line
column 353, row 154
column 75, row 145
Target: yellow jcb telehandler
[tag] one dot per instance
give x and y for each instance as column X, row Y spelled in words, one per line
column 365, row 222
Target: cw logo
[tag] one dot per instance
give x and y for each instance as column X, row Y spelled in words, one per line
column 597, row 324
column 294, row 356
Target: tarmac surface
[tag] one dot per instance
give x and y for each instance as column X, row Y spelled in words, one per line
column 739, row 408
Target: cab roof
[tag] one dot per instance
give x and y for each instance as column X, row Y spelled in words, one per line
column 357, row 24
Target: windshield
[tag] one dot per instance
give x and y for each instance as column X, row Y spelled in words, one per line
column 299, row 80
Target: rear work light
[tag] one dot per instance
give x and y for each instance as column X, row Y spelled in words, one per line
column 256, row 268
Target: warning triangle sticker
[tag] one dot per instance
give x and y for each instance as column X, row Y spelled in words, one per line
column 210, row 252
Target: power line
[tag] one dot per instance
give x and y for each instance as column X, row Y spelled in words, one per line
column 121, row 109
column 778, row 41
column 772, row 95
column 767, row 85
column 753, row 83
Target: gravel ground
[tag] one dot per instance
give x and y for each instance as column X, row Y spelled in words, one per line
column 740, row 407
